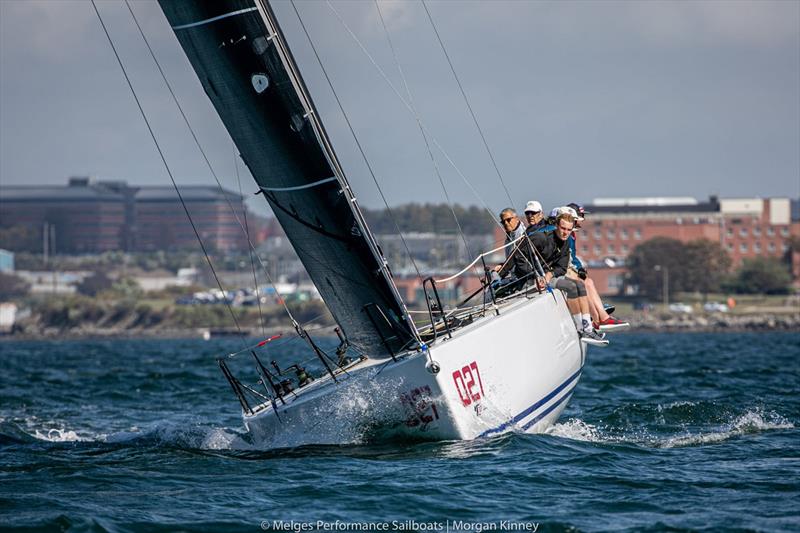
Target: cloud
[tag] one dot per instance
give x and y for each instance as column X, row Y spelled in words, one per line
column 734, row 22
column 47, row 29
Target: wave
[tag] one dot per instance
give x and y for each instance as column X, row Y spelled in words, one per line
column 32, row 429
column 754, row 420
column 181, row 435
column 705, row 426
column 751, row 422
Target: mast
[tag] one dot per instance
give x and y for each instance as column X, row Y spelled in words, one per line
column 240, row 55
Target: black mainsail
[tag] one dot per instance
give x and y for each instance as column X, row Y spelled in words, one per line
column 241, row 58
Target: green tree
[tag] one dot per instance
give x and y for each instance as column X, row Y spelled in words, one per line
column 761, row 275
column 699, row 265
column 711, row 266
column 437, row 218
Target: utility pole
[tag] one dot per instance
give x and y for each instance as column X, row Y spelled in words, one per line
column 664, row 285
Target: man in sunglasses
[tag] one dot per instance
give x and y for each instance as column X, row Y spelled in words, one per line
column 513, row 227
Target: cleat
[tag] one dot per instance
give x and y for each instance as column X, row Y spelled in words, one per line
column 595, row 339
column 611, row 324
column 610, row 308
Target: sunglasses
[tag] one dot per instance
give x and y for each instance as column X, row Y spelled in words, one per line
column 507, row 220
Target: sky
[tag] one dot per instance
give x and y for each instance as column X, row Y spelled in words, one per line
column 577, row 100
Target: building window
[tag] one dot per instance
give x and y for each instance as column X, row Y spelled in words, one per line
column 623, row 234
column 611, row 248
column 616, row 281
column 785, row 232
column 584, row 249
column 610, row 234
column 770, row 231
column 757, row 247
column 743, row 232
column 624, row 248
column 597, row 234
column 730, row 232
column 637, row 235
column 597, row 249
column 771, row 247
column 756, row 231
column 743, row 247
column 785, row 247
column 730, row 246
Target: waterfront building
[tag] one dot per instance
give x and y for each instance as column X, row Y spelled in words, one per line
column 744, row 227
column 95, row 216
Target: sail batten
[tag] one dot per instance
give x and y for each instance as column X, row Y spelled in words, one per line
column 240, row 56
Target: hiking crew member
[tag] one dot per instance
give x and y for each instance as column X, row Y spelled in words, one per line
column 553, row 246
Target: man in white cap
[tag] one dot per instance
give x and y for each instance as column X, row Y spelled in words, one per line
column 534, row 215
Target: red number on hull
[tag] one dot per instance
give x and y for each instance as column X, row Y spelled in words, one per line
column 468, row 383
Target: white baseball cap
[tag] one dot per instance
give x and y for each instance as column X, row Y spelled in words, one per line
column 533, row 206
column 564, row 209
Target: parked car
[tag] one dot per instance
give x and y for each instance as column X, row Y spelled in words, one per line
column 715, row 307
column 680, row 308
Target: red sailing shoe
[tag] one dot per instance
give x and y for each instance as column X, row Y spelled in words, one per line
column 611, row 324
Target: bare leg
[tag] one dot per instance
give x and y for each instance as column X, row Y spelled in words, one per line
column 583, row 305
column 574, row 306
column 595, row 302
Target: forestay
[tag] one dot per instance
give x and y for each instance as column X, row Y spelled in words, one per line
column 250, row 77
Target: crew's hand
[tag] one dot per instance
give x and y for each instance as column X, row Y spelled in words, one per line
column 497, row 268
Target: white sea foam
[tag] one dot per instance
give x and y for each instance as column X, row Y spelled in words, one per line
column 753, row 421
column 576, row 429
column 54, row 431
column 224, row 439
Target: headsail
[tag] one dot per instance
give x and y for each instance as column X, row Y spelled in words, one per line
column 240, row 56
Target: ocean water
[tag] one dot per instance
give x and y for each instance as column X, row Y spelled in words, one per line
column 666, row 432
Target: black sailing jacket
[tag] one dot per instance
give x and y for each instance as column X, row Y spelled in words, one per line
column 554, row 251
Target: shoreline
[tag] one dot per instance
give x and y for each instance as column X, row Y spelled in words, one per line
column 718, row 323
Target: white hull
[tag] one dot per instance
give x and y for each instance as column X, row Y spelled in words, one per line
column 515, row 371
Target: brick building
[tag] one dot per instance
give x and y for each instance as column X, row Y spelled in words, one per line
column 745, row 228
column 89, row 216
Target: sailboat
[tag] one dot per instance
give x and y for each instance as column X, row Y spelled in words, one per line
column 494, row 365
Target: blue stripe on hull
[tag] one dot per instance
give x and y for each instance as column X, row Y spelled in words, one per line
column 537, row 405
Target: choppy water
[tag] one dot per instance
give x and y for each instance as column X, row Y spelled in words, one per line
column 665, row 432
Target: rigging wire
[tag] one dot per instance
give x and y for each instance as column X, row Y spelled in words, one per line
column 166, row 166
column 422, row 130
column 247, row 234
column 469, row 106
column 208, row 163
column 406, row 104
column 358, row 143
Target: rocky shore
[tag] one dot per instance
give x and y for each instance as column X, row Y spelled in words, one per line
column 717, row 322
column 40, row 330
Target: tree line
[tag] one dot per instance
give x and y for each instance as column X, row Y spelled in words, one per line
column 425, row 218
column 704, row 266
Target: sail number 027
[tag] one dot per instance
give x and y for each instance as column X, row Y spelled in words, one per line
column 468, row 383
